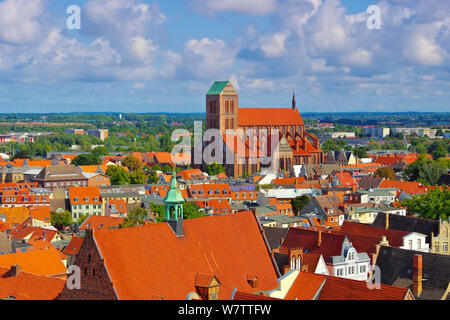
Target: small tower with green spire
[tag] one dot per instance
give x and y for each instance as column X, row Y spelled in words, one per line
column 174, row 206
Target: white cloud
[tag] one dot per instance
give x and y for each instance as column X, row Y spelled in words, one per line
column 139, row 86
column 19, row 20
column 273, row 46
column 250, row 7
column 208, row 58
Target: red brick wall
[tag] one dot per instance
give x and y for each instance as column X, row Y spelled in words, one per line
column 98, row 287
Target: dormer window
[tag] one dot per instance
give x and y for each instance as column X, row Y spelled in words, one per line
column 207, row 286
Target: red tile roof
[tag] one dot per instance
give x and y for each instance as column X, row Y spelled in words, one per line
column 74, row 246
column 230, row 247
column 238, row 295
column 308, row 284
column 33, row 233
column 395, row 237
column 331, row 242
column 269, row 116
column 78, row 195
column 27, row 286
column 40, row 262
column 289, row 181
column 209, row 190
column 406, row 186
column 101, row 222
column 346, row 179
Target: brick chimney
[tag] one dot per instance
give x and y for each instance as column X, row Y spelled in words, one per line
column 319, row 239
column 417, row 275
column 15, row 270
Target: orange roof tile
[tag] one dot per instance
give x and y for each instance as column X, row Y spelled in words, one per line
column 307, row 284
column 406, row 186
column 15, row 215
column 346, row 179
column 269, row 116
column 40, row 262
column 101, row 222
column 229, row 247
column 78, row 195
column 27, row 286
column 74, row 246
column 41, row 213
column 90, row 169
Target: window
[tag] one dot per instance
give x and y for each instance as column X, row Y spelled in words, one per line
column 362, row 269
column 340, row 272
column 410, row 244
column 75, row 199
column 444, row 246
column 419, row 244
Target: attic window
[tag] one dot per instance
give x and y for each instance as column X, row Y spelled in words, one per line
column 252, row 281
column 207, row 286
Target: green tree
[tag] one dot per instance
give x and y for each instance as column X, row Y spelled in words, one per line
column 157, row 167
column 167, row 169
column 432, row 205
column 439, row 152
column 213, row 169
column 191, row 210
column 152, row 177
column 424, row 170
column 138, row 177
column 81, row 219
column 101, row 151
column 119, row 176
column 132, row 163
column 361, row 152
column 158, row 210
column 60, row 220
column 136, row 217
column 86, row 160
column 299, row 203
column 385, row 172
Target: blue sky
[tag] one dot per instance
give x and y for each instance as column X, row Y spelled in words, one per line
column 162, row 56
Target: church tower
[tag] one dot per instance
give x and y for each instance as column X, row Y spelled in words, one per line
column 174, row 207
column 222, row 103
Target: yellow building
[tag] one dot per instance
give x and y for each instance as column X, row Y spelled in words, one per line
column 439, row 243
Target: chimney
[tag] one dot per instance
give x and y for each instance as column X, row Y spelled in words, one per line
column 319, row 239
column 417, row 275
column 387, row 221
column 15, row 270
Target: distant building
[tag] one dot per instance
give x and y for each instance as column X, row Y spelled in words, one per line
column 102, row 134
column 337, row 135
column 74, row 131
column 61, row 176
column 377, row 132
column 85, row 201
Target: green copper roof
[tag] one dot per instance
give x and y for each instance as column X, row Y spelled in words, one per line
column 217, row 87
column 174, row 194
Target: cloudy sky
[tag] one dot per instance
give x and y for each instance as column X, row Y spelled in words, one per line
column 152, row 56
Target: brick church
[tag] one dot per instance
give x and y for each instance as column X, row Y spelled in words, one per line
column 295, row 146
